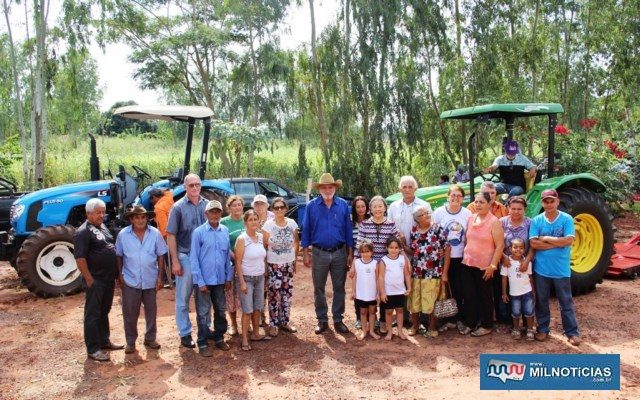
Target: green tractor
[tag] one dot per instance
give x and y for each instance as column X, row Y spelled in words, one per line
column 579, row 193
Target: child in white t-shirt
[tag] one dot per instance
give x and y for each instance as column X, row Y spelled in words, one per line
column 521, row 292
column 365, row 288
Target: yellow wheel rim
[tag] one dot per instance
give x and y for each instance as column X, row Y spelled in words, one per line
column 587, row 246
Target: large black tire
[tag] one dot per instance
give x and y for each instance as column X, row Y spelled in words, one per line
column 593, row 245
column 46, row 264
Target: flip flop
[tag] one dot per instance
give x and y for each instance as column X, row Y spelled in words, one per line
column 245, row 347
column 262, row 338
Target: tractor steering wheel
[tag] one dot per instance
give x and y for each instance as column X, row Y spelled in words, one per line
column 491, row 176
column 140, row 172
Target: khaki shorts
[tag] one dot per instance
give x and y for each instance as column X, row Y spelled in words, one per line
column 423, row 296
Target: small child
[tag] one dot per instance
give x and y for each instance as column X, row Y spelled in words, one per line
column 520, row 290
column 365, row 290
column 394, row 284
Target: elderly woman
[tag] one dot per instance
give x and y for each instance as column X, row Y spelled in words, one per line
column 453, row 218
column 482, row 253
column 281, row 240
column 250, row 259
column 235, row 224
column 261, row 205
column 359, row 213
column 377, row 229
column 428, row 244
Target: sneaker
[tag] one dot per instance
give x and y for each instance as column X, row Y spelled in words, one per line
column 152, row 344
column 187, row 341
column 99, row 356
column 130, row 349
column 205, row 351
column 575, row 340
column 222, row 345
column 358, row 324
column 541, row 336
column 450, row 325
column 530, row 335
column 515, row 334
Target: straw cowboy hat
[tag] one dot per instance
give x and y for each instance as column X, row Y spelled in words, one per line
column 327, row 179
column 139, row 210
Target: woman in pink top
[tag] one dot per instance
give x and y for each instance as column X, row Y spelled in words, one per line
column 482, row 253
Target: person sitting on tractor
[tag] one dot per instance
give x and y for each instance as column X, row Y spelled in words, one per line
column 512, row 166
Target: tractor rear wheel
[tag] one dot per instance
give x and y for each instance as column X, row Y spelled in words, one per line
column 46, row 264
column 593, row 244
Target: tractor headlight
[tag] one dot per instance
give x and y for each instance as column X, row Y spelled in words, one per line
column 16, row 212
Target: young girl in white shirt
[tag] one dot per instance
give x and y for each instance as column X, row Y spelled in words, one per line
column 365, row 290
column 394, row 285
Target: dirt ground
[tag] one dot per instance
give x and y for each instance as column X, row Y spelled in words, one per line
column 42, row 353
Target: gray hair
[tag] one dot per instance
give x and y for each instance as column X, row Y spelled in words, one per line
column 192, row 176
column 419, row 210
column 408, row 179
column 377, row 198
column 94, row 203
column 487, row 185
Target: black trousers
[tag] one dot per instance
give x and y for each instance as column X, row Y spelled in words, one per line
column 98, row 301
column 478, row 298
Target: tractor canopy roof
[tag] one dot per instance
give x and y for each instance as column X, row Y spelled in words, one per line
column 503, row 110
column 167, row 113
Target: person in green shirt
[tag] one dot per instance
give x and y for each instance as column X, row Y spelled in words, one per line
column 235, row 224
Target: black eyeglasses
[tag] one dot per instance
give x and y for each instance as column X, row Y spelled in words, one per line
column 278, row 208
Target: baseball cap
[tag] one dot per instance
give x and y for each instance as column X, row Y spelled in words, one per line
column 549, row 193
column 259, row 198
column 213, row 204
column 511, row 148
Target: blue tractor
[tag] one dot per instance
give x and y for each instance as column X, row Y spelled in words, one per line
column 39, row 243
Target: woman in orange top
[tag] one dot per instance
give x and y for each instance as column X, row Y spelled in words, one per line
column 482, row 253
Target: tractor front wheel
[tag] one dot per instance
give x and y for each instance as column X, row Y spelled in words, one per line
column 593, row 244
column 46, row 264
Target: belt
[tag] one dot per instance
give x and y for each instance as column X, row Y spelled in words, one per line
column 331, row 249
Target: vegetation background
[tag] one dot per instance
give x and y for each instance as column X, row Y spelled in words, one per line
column 360, row 99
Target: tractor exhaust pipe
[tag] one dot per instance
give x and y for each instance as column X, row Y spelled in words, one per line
column 94, row 161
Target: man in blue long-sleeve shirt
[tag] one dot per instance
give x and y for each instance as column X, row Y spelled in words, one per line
column 327, row 229
column 212, row 272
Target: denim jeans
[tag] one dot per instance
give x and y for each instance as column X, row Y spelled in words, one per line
column 184, row 288
column 562, row 287
column 254, row 299
column 215, row 293
column 325, row 263
column 513, row 190
column 522, row 304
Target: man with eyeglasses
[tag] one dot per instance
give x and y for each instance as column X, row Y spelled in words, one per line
column 512, row 166
column 186, row 215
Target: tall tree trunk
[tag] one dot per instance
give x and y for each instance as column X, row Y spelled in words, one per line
column 255, row 90
column 346, row 64
column 39, row 112
column 567, row 58
column 460, row 82
column 318, row 93
column 18, row 99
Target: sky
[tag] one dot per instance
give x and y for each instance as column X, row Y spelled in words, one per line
column 116, row 73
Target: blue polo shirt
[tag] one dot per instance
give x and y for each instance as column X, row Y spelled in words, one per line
column 140, row 258
column 327, row 227
column 555, row 262
column 183, row 219
column 209, row 257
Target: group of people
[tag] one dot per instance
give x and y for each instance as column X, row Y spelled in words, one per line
column 400, row 260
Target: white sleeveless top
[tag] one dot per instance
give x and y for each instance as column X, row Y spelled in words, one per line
column 394, row 275
column 366, row 289
column 254, row 255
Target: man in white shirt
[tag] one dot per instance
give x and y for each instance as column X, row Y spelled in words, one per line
column 401, row 211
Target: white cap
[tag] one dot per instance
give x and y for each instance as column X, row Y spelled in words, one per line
column 259, row 198
column 213, row 204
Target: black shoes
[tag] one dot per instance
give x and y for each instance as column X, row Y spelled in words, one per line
column 340, row 327
column 187, row 341
column 322, row 326
column 112, row 346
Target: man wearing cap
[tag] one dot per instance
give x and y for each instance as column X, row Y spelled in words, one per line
column 162, row 201
column 186, row 215
column 212, row 273
column 95, row 256
column 140, row 251
column 461, row 175
column 512, row 166
column 328, row 234
column 551, row 234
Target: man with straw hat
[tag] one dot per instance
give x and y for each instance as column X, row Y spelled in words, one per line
column 140, row 251
column 327, row 240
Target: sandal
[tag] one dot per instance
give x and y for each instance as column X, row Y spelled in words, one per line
column 273, row 331
column 465, row 330
column 411, row 332
column 245, row 347
column 481, row 332
column 261, row 338
column 289, row 328
column 431, row 334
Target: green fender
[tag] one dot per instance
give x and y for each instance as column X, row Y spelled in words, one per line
column 587, row 180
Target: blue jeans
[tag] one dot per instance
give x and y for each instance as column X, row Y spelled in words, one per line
column 184, row 288
column 513, row 190
column 325, row 263
column 522, row 304
column 216, row 295
column 562, row 287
